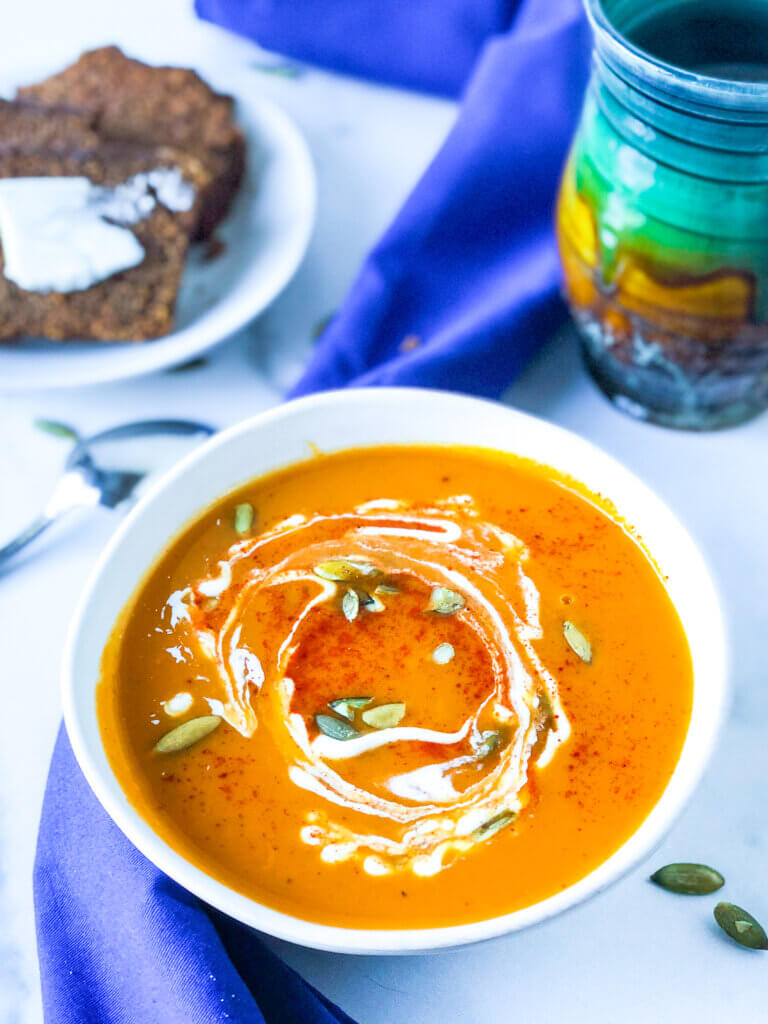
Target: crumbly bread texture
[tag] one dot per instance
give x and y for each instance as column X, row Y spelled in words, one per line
column 134, row 304
column 134, row 101
column 29, row 126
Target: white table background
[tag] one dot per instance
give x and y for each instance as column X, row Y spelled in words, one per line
column 632, row 955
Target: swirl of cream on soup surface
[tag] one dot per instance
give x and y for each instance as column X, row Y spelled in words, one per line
column 373, row 595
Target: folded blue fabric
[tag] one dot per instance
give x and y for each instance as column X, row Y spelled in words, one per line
column 120, row 943
column 431, row 45
column 463, row 287
column 459, row 291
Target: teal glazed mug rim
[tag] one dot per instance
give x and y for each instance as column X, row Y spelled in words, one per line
column 733, row 95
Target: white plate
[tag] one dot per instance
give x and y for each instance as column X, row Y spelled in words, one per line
column 266, row 234
column 376, row 416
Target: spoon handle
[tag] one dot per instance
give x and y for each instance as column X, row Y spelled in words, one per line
column 27, row 535
column 71, row 492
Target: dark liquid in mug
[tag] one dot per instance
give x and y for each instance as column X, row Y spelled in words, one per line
column 718, row 38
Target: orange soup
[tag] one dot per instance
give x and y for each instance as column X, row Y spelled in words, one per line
column 399, row 687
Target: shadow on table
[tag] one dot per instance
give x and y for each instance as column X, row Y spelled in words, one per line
column 551, row 376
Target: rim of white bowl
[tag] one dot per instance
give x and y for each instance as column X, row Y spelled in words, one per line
column 710, row 669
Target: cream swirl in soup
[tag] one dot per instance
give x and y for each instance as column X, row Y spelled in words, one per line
column 447, row 780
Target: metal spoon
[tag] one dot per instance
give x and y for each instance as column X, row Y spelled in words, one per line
column 85, row 483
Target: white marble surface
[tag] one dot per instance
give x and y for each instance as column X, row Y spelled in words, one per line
column 634, row 954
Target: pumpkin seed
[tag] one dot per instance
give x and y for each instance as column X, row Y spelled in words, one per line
column 544, row 712
column 186, row 734
column 344, row 570
column 386, row 588
column 347, row 706
column 57, row 429
column 689, row 879
column 445, row 601
column 385, row 716
column 741, row 926
column 577, row 642
column 443, row 653
column 350, row 605
column 244, row 516
column 489, row 742
column 336, row 728
column 490, row 828
column 280, row 70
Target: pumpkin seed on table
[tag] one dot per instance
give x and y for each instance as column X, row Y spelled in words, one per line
column 187, row 734
column 444, row 601
column 280, row 71
column 350, row 605
column 688, row 879
column 244, row 516
column 490, row 828
column 577, row 642
column 335, row 728
column 344, row 570
column 741, row 926
column 385, row 716
column 346, row 706
column 57, row 429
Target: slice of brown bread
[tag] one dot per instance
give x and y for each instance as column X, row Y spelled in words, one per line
column 134, row 304
column 162, row 105
column 28, row 126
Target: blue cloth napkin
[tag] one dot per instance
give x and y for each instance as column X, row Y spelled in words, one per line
column 458, row 293
column 430, row 45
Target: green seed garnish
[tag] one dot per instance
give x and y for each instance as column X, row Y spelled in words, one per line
column 187, row 733
column 489, row 742
column 490, row 828
column 741, row 926
column 336, row 728
column 57, row 429
column 544, row 712
column 279, row 70
column 689, row 879
column 445, row 601
column 244, row 516
column 344, row 570
column 347, row 706
column 577, row 642
column 350, row 605
column 385, row 716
